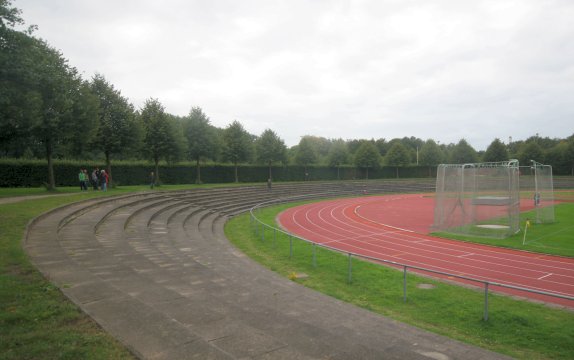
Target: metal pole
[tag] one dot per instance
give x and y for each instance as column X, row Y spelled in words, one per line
column 485, row 301
column 350, row 269
column 290, row 246
column 405, row 284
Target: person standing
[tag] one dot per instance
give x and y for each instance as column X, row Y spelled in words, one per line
column 104, row 180
column 151, row 180
column 82, row 179
column 95, row 178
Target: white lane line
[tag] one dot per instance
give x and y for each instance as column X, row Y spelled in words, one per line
column 545, row 276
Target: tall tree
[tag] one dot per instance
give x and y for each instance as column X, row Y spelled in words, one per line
column 398, row 156
column 530, row 151
column 20, row 100
column 495, row 152
column 338, row 155
column 430, row 154
column 367, row 156
column 201, row 139
column 57, row 81
column 158, row 133
column 463, row 153
column 116, row 129
column 84, row 124
column 237, row 145
column 306, row 154
column 270, row 149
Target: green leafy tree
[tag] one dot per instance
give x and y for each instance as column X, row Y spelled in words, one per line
column 398, row 156
column 57, row 81
column 557, row 156
column 367, row 156
column 530, row 151
column 117, row 127
column 338, row 155
column 306, row 154
column 463, row 153
column 237, row 145
column 201, row 138
column 430, row 154
column 84, row 125
column 20, row 99
column 495, row 152
column 158, row 133
column 270, row 149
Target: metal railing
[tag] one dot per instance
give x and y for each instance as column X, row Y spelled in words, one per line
column 260, row 227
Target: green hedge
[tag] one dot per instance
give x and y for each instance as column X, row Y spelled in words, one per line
column 33, row 173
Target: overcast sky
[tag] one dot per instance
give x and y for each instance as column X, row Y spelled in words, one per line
column 444, row 70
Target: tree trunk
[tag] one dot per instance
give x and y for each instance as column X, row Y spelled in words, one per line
column 236, row 176
column 156, row 160
column 109, row 170
column 198, row 167
column 51, row 179
column 270, row 177
column 338, row 168
column 367, row 173
column 397, row 172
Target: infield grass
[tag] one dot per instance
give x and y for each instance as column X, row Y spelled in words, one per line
column 517, row 328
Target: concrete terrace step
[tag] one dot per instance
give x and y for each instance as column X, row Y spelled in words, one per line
column 156, row 271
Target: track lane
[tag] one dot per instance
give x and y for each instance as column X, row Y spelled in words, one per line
column 361, row 225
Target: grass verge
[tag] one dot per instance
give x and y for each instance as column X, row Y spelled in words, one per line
column 517, row 328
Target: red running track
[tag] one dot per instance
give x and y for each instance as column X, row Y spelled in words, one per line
column 394, row 228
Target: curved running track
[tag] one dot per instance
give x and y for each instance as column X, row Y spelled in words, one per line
column 394, row 227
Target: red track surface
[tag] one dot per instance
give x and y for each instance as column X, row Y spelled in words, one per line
column 394, row 228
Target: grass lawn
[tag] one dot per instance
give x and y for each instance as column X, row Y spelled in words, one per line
column 517, row 328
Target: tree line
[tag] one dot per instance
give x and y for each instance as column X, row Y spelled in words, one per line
column 47, row 110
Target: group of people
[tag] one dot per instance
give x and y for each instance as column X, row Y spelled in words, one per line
column 99, row 179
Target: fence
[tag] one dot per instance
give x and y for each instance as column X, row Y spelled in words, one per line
column 260, row 228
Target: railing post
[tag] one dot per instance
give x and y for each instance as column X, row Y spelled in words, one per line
column 350, row 279
column 485, row 317
column 405, row 284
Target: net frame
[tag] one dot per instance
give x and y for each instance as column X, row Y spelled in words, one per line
column 543, row 193
column 478, row 199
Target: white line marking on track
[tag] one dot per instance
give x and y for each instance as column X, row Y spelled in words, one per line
column 545, row 276
column 463, row 255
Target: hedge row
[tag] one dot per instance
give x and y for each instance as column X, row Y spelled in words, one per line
column 16, row 173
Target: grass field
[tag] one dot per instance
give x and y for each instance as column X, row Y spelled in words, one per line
column 518, row 328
